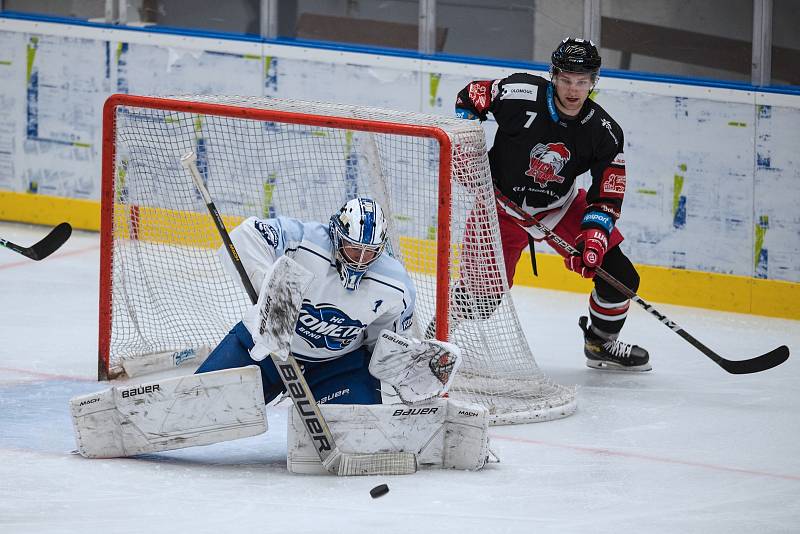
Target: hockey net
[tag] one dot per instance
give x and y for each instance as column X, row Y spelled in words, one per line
column 165, row 297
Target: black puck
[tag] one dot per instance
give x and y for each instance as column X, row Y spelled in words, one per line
column 379, row 491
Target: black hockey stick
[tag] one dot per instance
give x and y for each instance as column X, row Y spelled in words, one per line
column 49, row 244
column 738, row 367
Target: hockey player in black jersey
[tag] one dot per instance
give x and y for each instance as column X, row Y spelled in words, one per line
column 549, row 133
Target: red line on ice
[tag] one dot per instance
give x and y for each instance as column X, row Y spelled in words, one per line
column 48, row 376
column 609, row 452
column 55, row 255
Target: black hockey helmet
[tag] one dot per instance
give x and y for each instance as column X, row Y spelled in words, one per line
column 576, row 55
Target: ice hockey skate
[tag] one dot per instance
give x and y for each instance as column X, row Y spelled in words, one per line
column 611, row 354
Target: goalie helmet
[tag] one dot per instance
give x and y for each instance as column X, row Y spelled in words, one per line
column 358, row 233
column 576, row 55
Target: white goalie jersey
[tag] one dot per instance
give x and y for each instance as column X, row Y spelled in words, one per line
column 333, row 321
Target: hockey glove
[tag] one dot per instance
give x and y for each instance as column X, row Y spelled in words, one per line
column 592, row 243
column 417, row 370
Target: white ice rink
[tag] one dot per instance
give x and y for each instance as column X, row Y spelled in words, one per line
column 686, row 448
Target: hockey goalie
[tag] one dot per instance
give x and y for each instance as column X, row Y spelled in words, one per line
column 334, row 301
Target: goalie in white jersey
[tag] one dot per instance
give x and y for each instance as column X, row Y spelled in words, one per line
column 348, row 337
column 357, row 291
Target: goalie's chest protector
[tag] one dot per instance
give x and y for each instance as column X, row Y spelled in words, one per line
column 334, row 321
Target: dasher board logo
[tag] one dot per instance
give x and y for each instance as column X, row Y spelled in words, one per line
column 327, row 327
column 547, row 160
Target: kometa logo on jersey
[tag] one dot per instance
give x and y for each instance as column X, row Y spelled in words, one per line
column 327, row 327
column 547, row 160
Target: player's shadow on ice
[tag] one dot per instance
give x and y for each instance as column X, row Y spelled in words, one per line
column 590, row 378
column 271, row 461
column 255, row 452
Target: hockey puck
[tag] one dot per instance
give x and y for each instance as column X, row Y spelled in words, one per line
column 379, row 491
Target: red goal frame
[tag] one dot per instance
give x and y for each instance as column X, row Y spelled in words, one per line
column 346, row 123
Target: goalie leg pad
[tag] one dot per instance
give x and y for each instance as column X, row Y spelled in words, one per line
column 466, row 438
column 443, row 433
column 170, row 414
column 163, row 361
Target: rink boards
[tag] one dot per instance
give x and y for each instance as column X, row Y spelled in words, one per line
column 713, row 175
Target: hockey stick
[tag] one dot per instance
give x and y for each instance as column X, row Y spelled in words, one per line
column 334, row 460
column 48, row 244
column 753, row 365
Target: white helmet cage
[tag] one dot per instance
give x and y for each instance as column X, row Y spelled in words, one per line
column 358, row 233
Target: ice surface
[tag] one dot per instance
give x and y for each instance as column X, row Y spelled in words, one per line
column 685, row 448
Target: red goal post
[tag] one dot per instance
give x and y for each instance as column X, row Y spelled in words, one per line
column 164, row 297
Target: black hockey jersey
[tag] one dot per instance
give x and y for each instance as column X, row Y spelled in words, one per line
column 537, row 155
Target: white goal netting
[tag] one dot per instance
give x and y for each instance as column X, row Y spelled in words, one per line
column 164, row 292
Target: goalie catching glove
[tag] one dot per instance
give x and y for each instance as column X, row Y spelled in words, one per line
column 417, row 370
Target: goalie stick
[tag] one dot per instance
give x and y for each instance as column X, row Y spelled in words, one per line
column 760, row 363
column 46, row 246
column 334, row 460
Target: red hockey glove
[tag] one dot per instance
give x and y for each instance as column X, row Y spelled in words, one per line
column 593, row 244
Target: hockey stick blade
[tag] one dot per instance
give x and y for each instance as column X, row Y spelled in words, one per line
column 766, row 361
column 49, row 244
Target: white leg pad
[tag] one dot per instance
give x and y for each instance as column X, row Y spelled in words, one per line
column 155, row 362
column 443, row 433
column 170, row 414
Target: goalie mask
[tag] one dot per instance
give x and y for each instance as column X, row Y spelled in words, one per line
column 358, row 233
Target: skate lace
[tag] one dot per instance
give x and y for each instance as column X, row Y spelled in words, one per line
column 618, row 348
